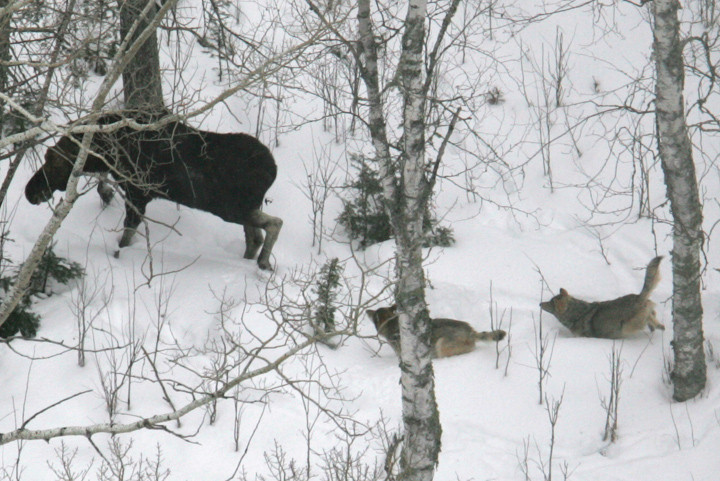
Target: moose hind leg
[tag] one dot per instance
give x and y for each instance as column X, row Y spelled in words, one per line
column 271, row 225
column 253, row 241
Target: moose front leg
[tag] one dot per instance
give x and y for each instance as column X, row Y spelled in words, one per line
column 105, row 191
column 133, row 215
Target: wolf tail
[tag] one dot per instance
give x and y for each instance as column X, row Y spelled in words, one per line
column 497, row 335
column 652, row 277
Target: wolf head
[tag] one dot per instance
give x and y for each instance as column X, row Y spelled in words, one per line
column 575, row 314
column 558, row 304
column 382, row 315
column 387, row 326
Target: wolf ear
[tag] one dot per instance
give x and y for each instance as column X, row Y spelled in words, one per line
column 561, row 301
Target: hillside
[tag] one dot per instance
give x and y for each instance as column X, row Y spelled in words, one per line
column 191, row 312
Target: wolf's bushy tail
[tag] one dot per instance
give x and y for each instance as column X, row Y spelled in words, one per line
column 497, row 335
column 652, row 277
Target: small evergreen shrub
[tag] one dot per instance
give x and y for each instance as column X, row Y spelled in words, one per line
column 21, row 320
column 14, row 122
column 51, row 267
column 364, row 216
column 326, row 291
column 439, row 237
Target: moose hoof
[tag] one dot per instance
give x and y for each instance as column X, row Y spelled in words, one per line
column 265, row 265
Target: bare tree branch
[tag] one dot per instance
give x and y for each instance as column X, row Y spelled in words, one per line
column 152, row 422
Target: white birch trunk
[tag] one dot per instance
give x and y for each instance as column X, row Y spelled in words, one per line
column 420, row 413
column 689, row 371
column 404, row 201
column 371, row 78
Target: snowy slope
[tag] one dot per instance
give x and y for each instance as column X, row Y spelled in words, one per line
column 492, row 422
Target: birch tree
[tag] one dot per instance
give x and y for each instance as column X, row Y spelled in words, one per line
column 406, row 205
column 407, row 180
column 689, row 369
column 270, row 63
column 405, row 192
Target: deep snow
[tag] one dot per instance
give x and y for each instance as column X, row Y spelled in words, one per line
column 490, row 415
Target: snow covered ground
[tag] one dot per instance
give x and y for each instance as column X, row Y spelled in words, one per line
column 493, row 426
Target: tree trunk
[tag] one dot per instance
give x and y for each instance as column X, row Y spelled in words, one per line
column 4, row 57
column 689, row 371
column 142, row 86
column 371, row 79
column 421, row 418
column 404, row 201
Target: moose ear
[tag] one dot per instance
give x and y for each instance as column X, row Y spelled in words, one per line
column 393, row 308
column 563, row 292
column 370, row 313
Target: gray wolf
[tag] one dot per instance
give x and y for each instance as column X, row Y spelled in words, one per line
column 613, row 319
column 449, row 337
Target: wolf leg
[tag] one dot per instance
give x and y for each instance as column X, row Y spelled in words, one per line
column 653, row 323
column 445, row 347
